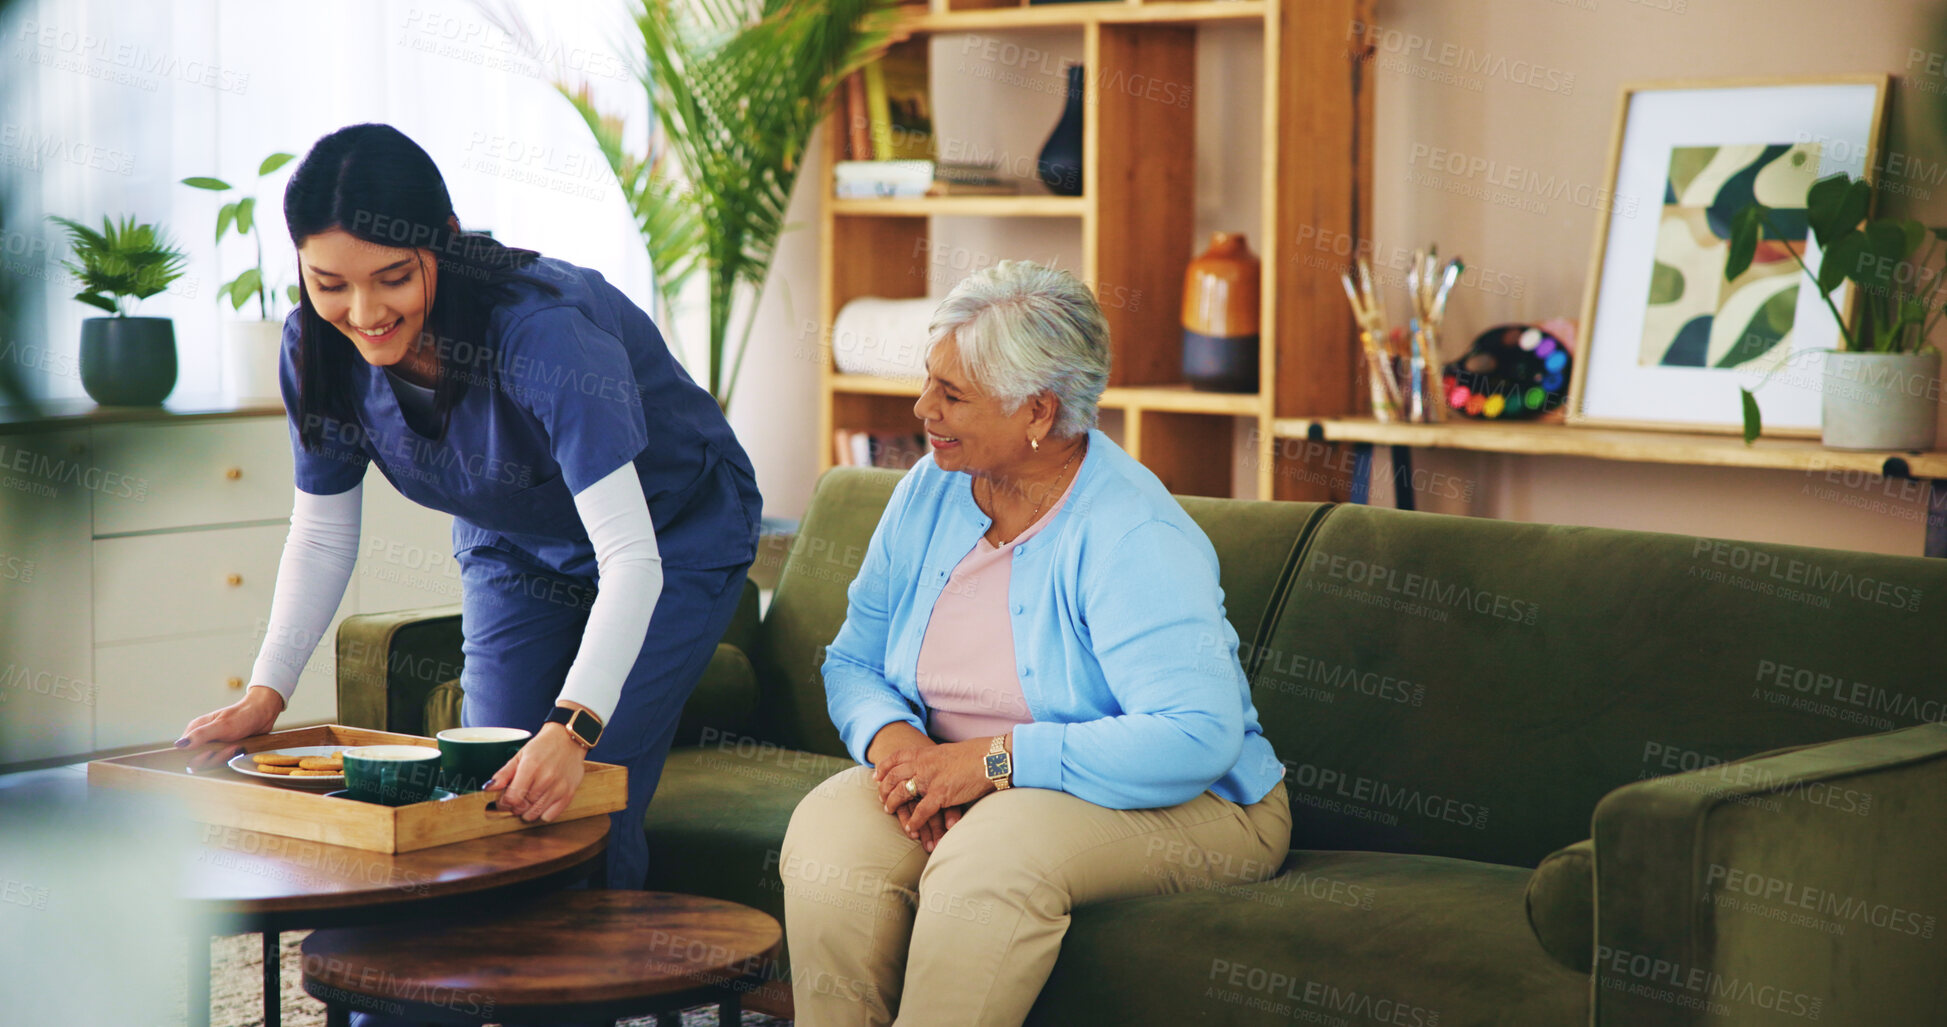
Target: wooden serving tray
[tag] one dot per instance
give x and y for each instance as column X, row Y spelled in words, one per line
column 215, row 794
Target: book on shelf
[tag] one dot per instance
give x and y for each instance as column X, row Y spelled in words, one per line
column 858, row 124
column 898, row 450
column 878, row 110
column 908, row 101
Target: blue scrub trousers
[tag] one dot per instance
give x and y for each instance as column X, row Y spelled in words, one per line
column 522, row 626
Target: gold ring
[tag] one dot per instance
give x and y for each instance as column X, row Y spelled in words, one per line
column 911, row 788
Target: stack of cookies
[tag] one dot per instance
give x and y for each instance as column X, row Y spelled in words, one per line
column 300, row 766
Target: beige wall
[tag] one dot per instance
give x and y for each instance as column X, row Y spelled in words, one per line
column 1537, row 250
column 1565, row 133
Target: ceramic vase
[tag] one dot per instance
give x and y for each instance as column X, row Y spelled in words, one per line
column 1060, row 163
column 1220, row 316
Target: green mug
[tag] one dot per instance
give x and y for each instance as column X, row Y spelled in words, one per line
column 392, row 775
column 469, row 756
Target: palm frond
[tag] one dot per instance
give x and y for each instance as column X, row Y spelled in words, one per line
column 736, row 88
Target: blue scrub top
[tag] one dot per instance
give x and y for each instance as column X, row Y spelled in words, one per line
column 563, row 391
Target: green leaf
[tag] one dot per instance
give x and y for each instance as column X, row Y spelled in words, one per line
column 293, row 294
column 1916, row 233
column 93, row 300
column 212, row 184
column 1747, row 226
column 227, row 214
column 1840, row 259
column 245, row 286
column 1877, row 266
column 272, row 163
column 245, row 208
column 1753, row 424
column 1824, row 208
column 1859, row 200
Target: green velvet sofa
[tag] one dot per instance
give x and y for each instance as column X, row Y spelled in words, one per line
column 1539, row 775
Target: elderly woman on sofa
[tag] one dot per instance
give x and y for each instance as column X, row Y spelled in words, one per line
column 1036, row 673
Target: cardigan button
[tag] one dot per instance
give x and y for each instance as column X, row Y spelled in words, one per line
column 1019, row 609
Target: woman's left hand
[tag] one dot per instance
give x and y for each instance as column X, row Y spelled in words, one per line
column 953, row 774
column 541, row 779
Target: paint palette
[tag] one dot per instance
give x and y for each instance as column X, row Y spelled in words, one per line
column 1511, row 373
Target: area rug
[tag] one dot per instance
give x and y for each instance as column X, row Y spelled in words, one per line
column 237, row 989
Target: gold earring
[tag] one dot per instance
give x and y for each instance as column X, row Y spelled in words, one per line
column 1034, row 443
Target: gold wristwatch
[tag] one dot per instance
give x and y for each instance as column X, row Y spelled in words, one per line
column 1000, row 765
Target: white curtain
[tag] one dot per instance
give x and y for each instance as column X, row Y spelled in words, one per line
column 106, row 105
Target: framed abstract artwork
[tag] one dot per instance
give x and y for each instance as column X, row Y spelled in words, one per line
column 1669, row 341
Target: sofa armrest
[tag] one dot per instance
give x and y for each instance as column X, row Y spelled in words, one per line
column 388, row 663
column 1803, row 885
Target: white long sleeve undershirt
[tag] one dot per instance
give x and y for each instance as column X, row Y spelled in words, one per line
column 322, row 548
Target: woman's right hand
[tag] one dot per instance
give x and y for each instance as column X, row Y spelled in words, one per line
column 894, row 738
column 254, row 714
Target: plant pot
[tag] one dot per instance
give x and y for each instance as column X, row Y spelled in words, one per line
column 1220, row 309
column 128, row 361
column 1880, row 400
column 251, row 350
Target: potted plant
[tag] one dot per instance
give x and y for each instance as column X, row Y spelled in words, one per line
column 1882, row 389
column 125, row 361
column 736, row 90
column 251, row 348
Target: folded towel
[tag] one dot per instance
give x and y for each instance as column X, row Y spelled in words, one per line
column 882, row 337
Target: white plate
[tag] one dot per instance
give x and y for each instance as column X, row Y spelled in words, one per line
column 243, row 764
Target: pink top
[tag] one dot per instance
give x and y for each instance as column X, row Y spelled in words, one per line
column 966, row 659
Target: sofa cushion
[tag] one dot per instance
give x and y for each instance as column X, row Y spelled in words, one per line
column 1561, row 905
column 1257, row 550
column 1339, row 937
column 810, row 602
column 442, row 707
column 719, row 814
column 1466, row 687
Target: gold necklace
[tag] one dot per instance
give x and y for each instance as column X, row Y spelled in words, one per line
column 1036, row 515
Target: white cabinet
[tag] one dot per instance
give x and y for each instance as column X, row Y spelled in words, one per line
column 137, row 566
column 47, row 688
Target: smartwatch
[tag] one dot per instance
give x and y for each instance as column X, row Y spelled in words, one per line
column 582, row 725
column 1000, row 765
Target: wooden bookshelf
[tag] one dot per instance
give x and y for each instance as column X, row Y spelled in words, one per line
column 1137, row 215
column 965, row 207
column 1646, row 447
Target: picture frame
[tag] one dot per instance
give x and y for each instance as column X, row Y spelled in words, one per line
column 1667, row 342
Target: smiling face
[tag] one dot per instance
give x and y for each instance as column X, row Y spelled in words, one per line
column 970, row 429
column 358, row 286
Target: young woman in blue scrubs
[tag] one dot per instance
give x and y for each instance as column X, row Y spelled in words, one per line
column 604, row 515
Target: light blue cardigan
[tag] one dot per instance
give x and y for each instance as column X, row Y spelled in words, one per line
column 1126, row 660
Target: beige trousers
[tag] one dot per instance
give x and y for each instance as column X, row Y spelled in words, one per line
column 880, row 929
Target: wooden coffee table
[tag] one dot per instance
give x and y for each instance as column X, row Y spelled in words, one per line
column 577, row 956
column 248, row 881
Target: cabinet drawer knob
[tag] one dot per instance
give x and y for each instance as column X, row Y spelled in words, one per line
column 233, row 473
column 234, row 682
column 233, row 580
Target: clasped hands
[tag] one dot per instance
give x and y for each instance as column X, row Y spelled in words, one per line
column 946, row 778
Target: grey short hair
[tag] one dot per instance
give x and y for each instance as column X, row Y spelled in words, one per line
column 1022, row 329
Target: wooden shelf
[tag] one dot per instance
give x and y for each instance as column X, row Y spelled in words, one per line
column 918, row 19
column 1651, row 447
column 1173, row 398
column 1182, row 399
column 870, row 385
column 1137, row 221
column 966, row 207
